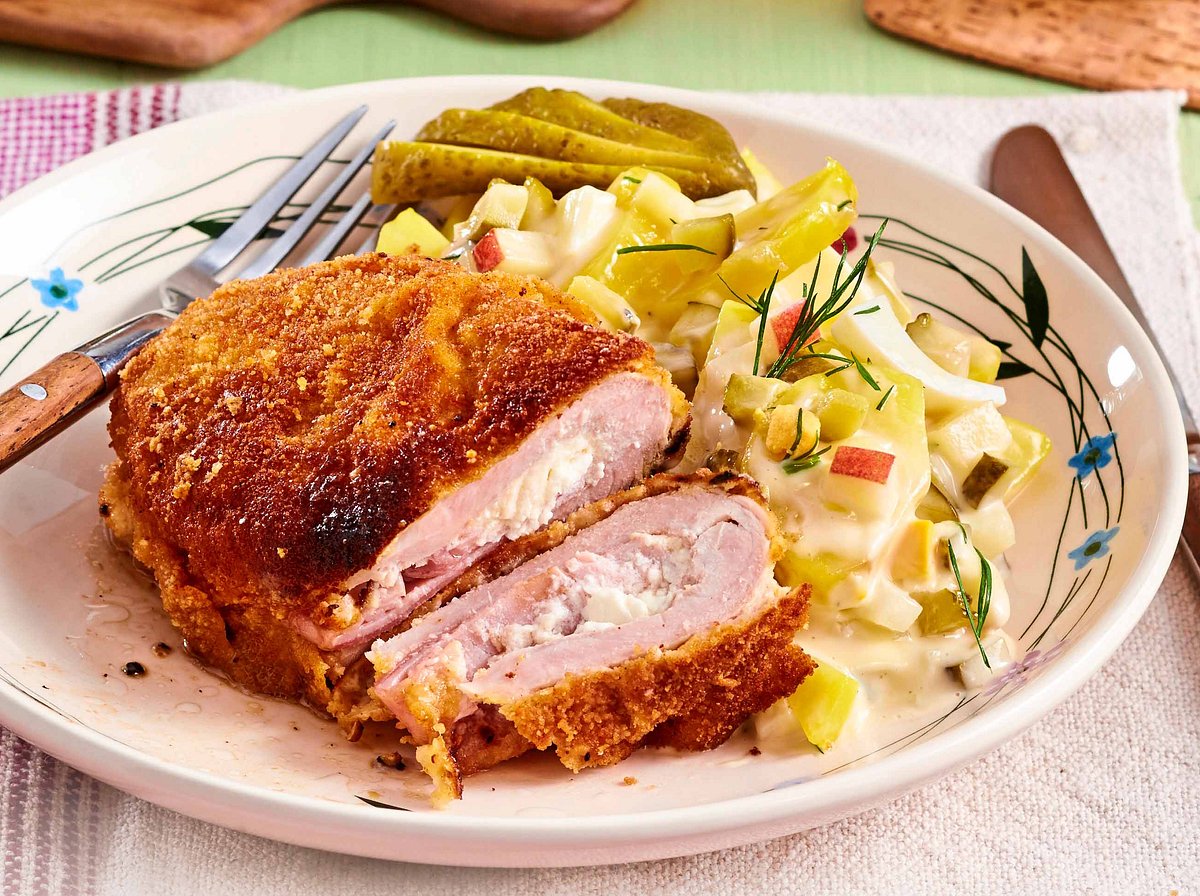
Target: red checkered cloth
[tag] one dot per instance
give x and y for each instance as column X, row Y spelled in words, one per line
column 37, row 134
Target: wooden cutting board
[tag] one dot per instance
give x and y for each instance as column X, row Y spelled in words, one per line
column 196, row 33
column 1105, row 44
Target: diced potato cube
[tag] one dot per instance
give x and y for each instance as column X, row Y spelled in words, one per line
column 888, row 606
column 823, row 704
column 503, row 205
column 1025, row 454
column 975, row 674
column 964, row 438
column 660, row 199
column 992, row 529
column 791, row 432
column 914, row 558
column 409, row 231
column 985, row 360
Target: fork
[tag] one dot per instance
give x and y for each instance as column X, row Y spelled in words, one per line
column 64, row 390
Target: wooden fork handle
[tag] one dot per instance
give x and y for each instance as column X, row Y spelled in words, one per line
column 46, row 402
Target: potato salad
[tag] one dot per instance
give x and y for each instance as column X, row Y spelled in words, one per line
column 877, row 431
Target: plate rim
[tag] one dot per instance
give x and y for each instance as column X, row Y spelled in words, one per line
column 211, row 798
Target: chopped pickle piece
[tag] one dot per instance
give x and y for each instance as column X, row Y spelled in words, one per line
column 715, row 236
column 806, row 366
column 823, row 703
column 791, row 432
column 503, row 205
column 410, row 232
column 822, row 571
column 941, row 613
column 983, row 476
column 539, row 210
column 746, row 394
column 723, row 460
column 611, row 308
column 841, row 413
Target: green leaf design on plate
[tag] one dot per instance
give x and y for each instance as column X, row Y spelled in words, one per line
column 1010, row 369
column 379, row 805
column 1037, row 307
column 215, row 227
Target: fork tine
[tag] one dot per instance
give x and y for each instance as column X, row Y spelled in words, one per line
column 253, row 220
column 278, row 250
column 338, row 232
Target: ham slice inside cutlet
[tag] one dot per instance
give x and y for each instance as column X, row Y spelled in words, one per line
column 653, row 616
column 600, row 444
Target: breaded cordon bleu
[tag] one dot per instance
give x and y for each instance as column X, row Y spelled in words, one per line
column 651, row 617
column 304, row 460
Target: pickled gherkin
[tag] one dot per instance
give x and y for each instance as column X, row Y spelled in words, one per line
column 511, row 132
column 576, row 111
column 563, row 139
column 406, row 172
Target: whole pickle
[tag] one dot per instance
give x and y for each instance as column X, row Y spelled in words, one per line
column 512, row 132
column 576, row 111
column 406, row 172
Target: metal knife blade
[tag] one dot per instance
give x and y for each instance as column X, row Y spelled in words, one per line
column 1030, row 174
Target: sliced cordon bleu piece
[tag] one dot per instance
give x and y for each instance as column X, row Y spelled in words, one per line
column 304, row 459
column 650, row 617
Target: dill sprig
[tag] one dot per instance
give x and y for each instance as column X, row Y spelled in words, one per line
column 814, row 312
column 886, row 396
column 804, row 461
column 665, row 247
column 870, row 310
column 760, row 306
column 975, row 620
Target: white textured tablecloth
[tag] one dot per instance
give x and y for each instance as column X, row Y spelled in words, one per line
column 1101, row 797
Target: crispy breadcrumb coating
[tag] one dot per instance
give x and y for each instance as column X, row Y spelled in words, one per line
column 281, row 433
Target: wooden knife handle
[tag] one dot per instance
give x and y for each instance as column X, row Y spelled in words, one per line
column 1191, row 515
column 45, row 402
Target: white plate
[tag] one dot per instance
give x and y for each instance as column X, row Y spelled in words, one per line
column 71, row 613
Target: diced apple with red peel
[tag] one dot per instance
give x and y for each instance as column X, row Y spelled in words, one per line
column 514, row 252
column 862, row 463
column 487, row 252
column 860, row 481
column 784, row 323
